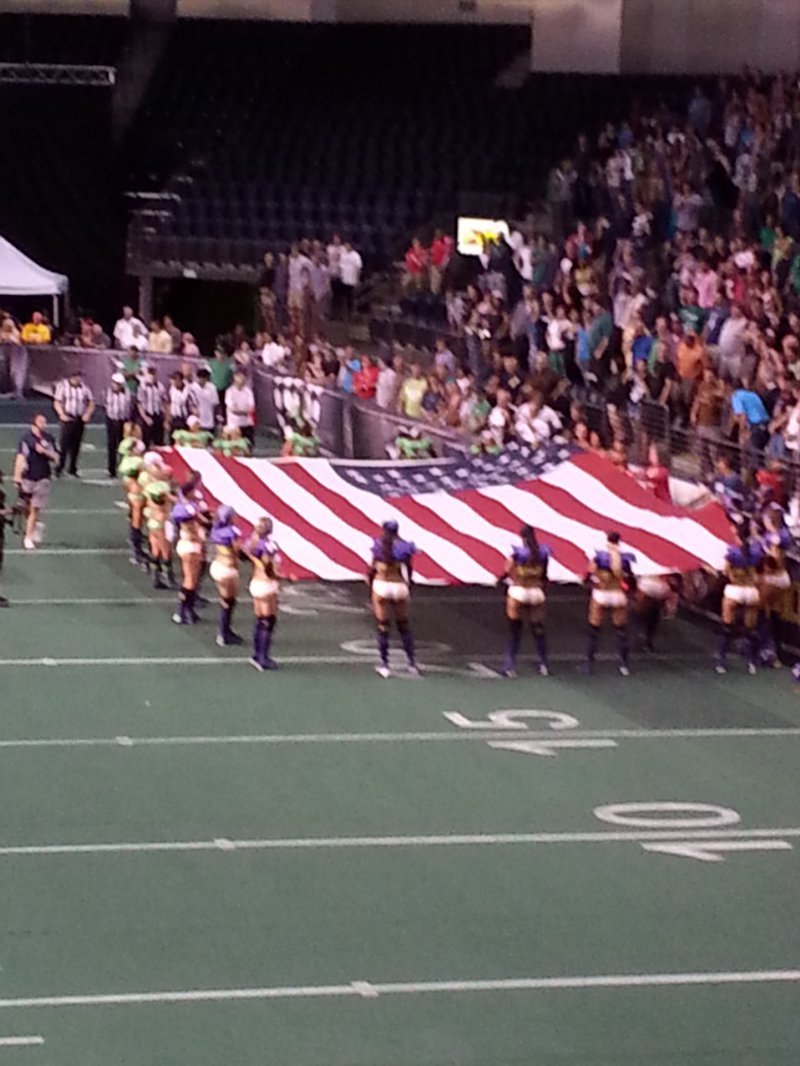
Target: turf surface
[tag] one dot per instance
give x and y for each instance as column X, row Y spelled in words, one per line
column 176, row 825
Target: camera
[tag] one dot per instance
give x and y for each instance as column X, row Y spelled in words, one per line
column 15, row 515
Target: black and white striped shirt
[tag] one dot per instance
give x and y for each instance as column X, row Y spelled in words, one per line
column 118, row 405
column 181, row 402
column 151, row 396
column 75, row 399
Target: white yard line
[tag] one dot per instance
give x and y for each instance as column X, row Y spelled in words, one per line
column 369, row 990
column 86, row 510
column 133, row 601
column 66, row 551
column 227, row 845
column 127, row 742
column 53, row 422
column 21, row 1041
column 355, row 659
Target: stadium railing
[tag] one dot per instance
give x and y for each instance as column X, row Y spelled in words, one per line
column 354, row 429
column 347, row 427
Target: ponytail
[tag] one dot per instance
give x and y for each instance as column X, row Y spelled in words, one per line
column 388, row 537
column 615, row 555
column 528, row 535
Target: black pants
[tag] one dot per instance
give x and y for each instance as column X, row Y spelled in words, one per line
column 114, row 427
column 153, row 436
column 249, row 433
column 348, row 300
column 70, row 445
column 337, row 298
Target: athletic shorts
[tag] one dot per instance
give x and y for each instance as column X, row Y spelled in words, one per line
column 39, row 492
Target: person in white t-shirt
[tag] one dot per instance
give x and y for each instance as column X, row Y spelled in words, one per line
column 387, row 385
column 274, row 355
column 535, row 421
column 240, row 407
column 206, row 399
column 333, row 253
column 298, row 266
column 350, row 266
column 129, row 331
column 523, row 260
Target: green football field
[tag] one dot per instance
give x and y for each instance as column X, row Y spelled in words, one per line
column 201, row 865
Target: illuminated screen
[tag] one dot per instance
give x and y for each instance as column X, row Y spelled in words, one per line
column 472, row 232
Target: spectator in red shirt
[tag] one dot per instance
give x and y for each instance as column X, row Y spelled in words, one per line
column 440, row 253
column 416, row 266
column 365, row 380
column 657, row 475
column 771, row 482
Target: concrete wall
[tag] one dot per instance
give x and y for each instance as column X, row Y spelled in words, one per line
column 577, row 35
column 592, row 36
column 703, row 36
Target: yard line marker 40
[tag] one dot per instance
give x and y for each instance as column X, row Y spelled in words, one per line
column 373, row 990
column 229, row 846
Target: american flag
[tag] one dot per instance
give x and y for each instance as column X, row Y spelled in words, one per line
column 463, row 514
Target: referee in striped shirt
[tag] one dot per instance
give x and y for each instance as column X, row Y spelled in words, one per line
column 180, row 402
column 118, row 412
column 150, row 400
column 74, row 405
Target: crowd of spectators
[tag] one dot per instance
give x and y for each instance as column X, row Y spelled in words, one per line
column 663, row 298
column 302, row 291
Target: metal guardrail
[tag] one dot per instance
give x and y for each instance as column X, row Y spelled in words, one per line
column 347, row 427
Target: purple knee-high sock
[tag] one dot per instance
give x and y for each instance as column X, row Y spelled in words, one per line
column 383, row 646
column 723, row 644
column 407, row 637
column 541, row 648
column 622, row 646
column 513, row 643
column 591, row 644
column 266, row 640
column 753, row 645
column 225, row 616
column 258, row 641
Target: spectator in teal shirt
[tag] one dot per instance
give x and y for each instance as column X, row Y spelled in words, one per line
column 221, row 372
column 692, row 317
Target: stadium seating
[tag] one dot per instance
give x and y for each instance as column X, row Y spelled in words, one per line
column 400, row 129
column 396, row 123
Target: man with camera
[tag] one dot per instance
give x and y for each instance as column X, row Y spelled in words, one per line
column 32, row 471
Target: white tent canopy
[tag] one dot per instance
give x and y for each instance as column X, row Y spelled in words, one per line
column 20, row 276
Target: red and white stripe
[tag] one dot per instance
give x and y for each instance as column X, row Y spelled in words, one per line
column 325, row 526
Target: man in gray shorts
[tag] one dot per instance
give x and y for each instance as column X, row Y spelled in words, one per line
column 36, row 453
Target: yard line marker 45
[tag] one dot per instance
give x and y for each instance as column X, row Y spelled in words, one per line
column 126, row 741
